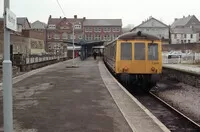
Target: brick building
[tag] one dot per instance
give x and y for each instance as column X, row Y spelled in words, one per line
column 26, row 40
column 102, row 29
column 61, row 29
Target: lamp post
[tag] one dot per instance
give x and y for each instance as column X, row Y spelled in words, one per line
column 73, row 45
column 9, row 24
column 73, row 65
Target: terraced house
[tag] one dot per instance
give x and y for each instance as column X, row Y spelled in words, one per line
column 185, row 30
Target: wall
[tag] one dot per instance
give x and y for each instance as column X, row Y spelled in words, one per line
column 36, row 34
column 191, row 79
column 160, row 32
column 180, row 37
column 36, row 46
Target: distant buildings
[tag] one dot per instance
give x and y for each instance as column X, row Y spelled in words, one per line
column 102, row 29
column 25, row 40
column 185, row 30
column 38, row 25
column 155, row 27
column 60, row 30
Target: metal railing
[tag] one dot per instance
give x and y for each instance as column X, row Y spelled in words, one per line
column 192, row 58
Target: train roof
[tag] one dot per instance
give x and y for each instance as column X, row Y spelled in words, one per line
column 138, row 35
column 135, row 35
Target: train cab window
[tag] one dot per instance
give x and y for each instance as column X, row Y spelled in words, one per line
column 152, row 51
column 126, row 51
column 139, row 49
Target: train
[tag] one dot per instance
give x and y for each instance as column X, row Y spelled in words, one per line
column 135, row 58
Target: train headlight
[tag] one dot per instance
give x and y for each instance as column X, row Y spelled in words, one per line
column 153, row 69
column 125, row 69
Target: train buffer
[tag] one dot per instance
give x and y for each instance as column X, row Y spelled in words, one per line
column 56, row 98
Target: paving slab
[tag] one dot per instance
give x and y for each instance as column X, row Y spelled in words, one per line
column 60, row 99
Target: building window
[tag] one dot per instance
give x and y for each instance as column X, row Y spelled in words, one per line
column 77, row 26
column 116, row 29
column 181, row 41
column 106, row 29
column 184, row 41
column 72, row 36
column 65, row 27
column 52, row 26
column 191, row 35
column 97, row 29
column 88, row 37
column 175, row 36
column 56, row 36
column 107, row 37
column 80, row 36
column 185, row 35
column 188, row 41
column 88, row 29
column 64, row 36
column 97, row 37
column 49, row 36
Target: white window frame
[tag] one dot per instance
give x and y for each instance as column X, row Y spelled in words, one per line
column 51, row 26
column 56, row 36
column 64, row 37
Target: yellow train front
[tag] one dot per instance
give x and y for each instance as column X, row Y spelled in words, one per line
column 135, row 58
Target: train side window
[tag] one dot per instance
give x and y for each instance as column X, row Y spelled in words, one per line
column 126, row 51
column 152, row 51
column 139, row 49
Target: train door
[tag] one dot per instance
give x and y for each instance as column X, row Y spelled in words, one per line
column 139, row 63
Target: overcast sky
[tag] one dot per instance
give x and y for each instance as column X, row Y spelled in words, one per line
column 130, row 11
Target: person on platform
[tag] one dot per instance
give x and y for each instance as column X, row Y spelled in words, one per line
column 95, row 54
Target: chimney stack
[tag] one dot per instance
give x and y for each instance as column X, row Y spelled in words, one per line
column 60, row 17
column 84, row 18
column 75, row 16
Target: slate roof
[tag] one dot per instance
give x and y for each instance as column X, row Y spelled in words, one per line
column 103, row 22
column 90, row 22
column 182, row 21
column 148, row 21
column 58, row 20
column 22, row 20
column 183, row 30
column 38, row 25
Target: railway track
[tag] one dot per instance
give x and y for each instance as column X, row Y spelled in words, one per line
column 174, row 120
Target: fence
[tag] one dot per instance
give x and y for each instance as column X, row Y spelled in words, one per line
column 23, row 60
column 36, row 59
column 183, row 58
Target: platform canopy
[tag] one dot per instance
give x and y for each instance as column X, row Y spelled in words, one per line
column 85, row 43
column 86, row 46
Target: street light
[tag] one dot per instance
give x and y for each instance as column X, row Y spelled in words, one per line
column 9, row 24
column 73, row 65
column 73, row 45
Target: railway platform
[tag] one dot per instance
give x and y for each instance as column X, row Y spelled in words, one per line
column 83, row 99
